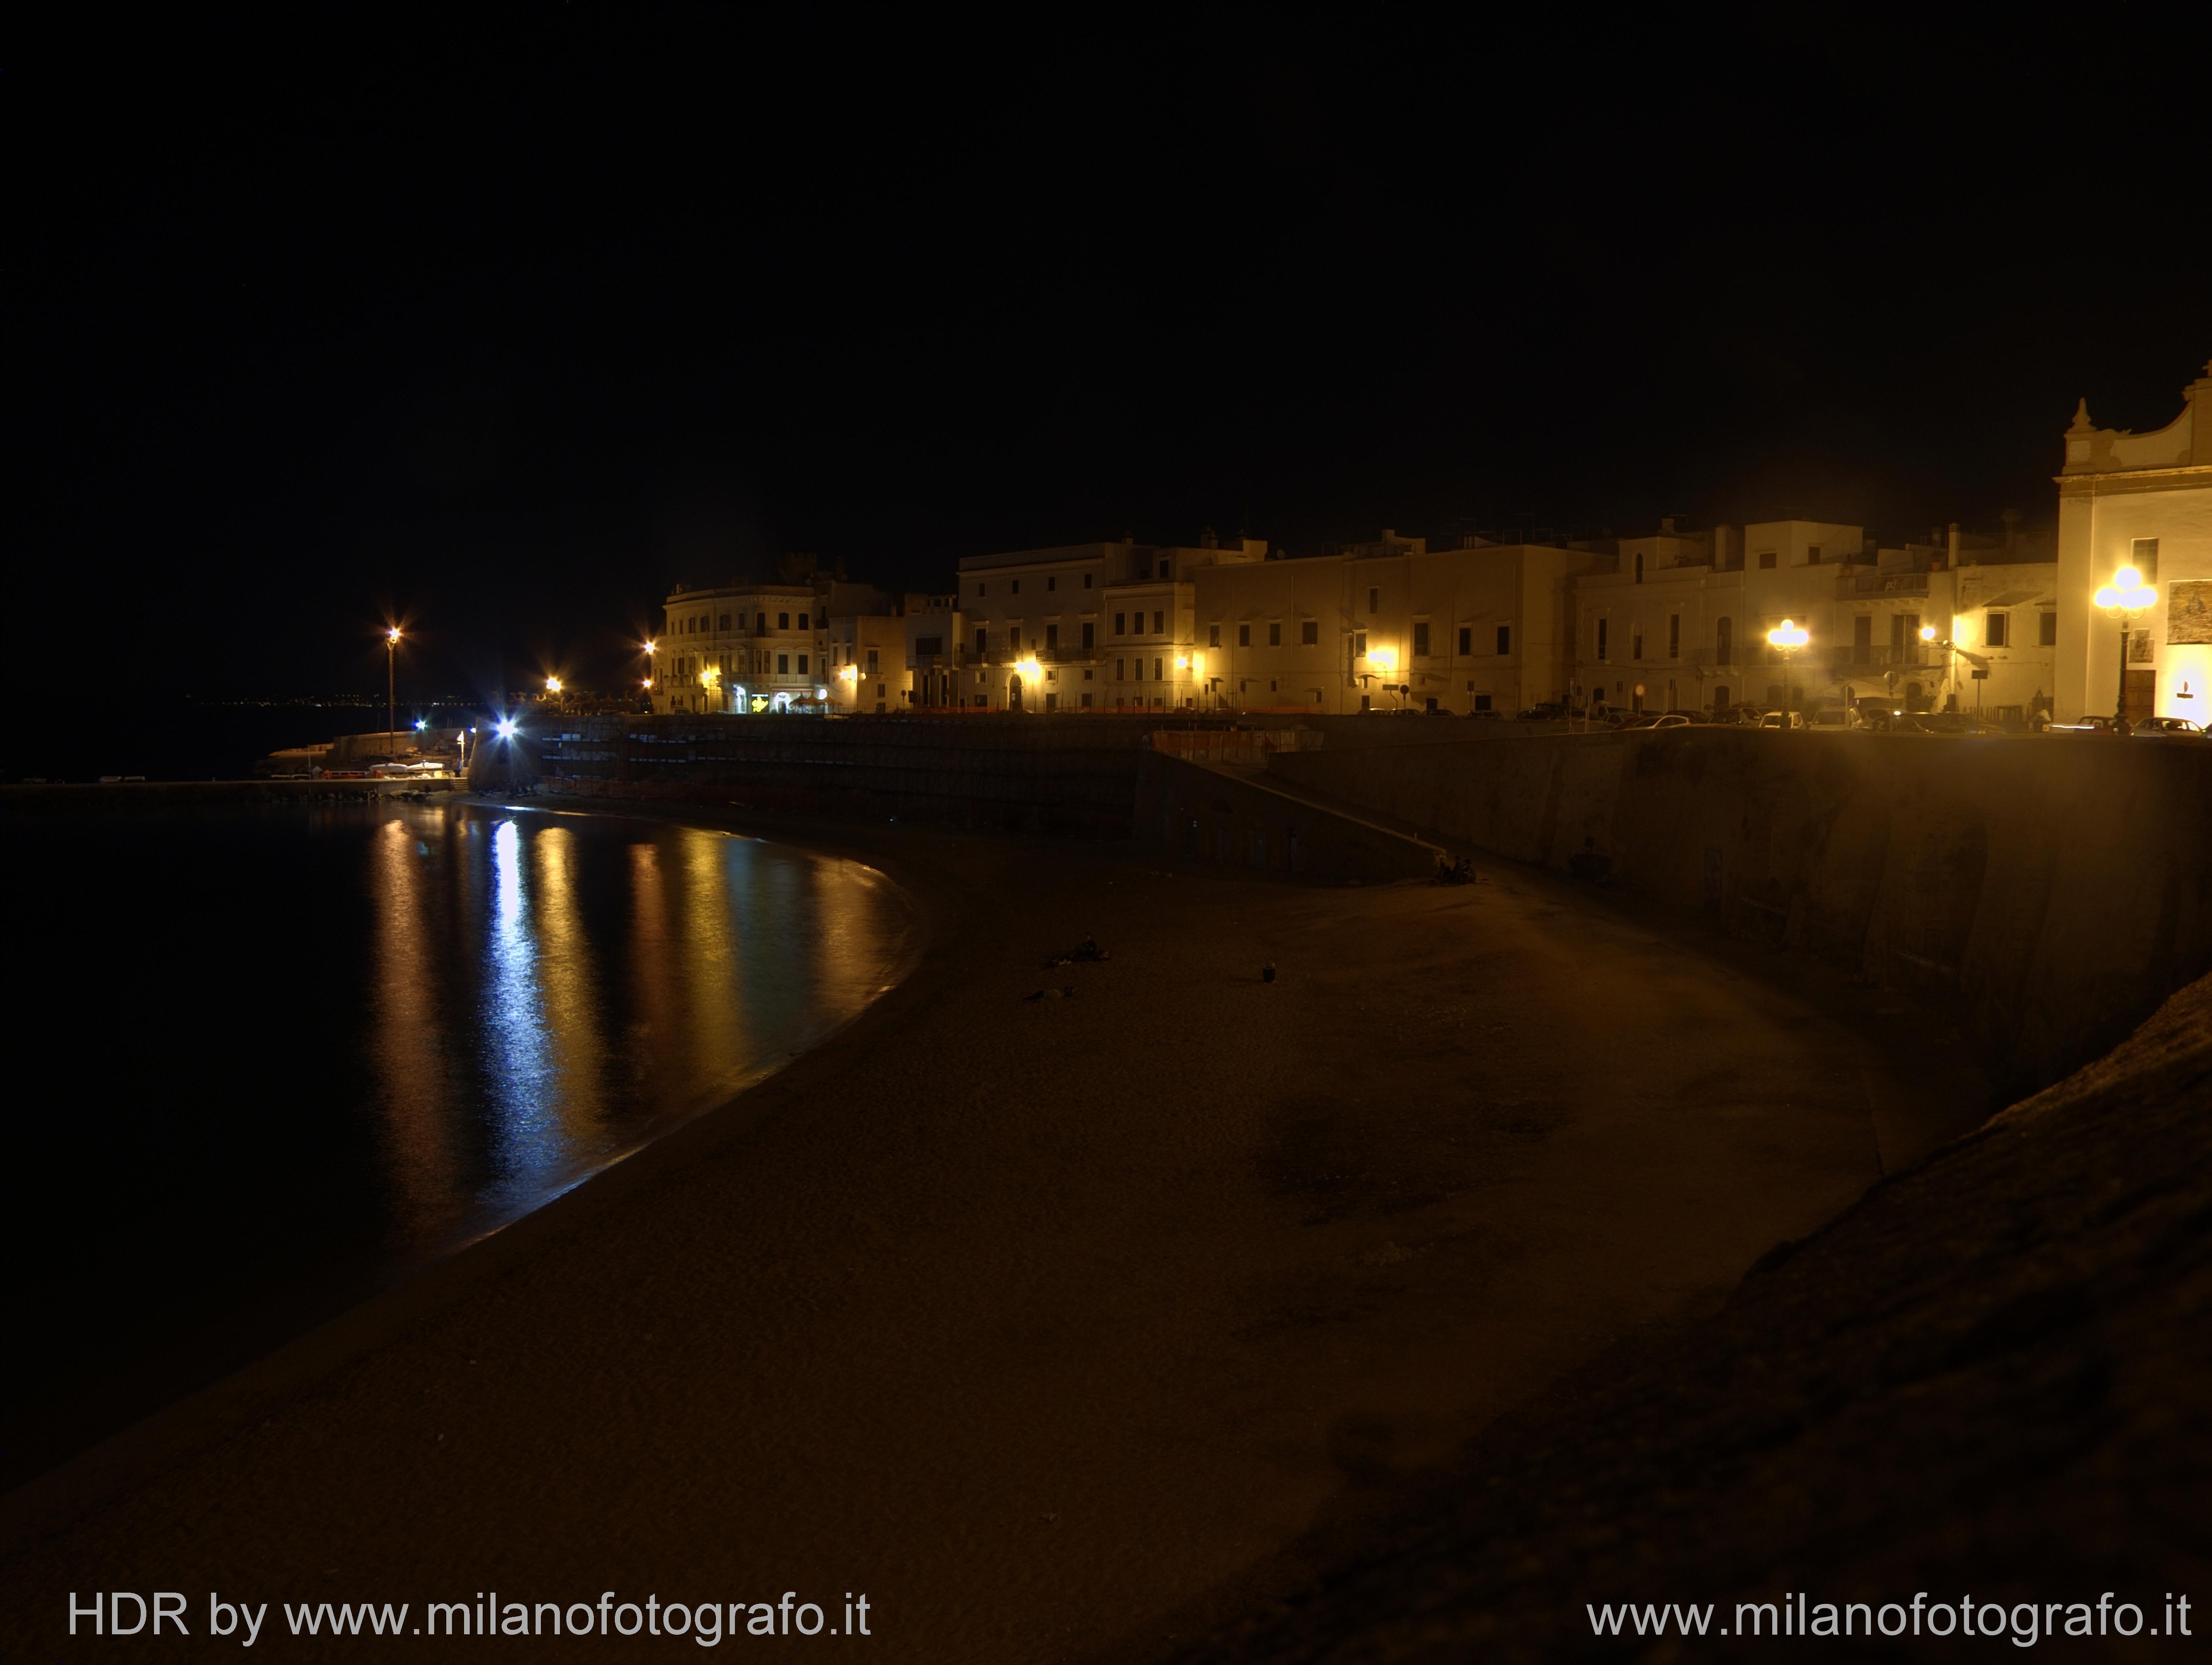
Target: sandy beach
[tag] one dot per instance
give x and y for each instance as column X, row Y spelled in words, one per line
column 1047, row 1324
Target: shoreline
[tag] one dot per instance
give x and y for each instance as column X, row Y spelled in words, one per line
column 1205, row 1199
column 299, row 1318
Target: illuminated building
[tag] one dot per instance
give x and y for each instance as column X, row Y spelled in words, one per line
column 2142, row 500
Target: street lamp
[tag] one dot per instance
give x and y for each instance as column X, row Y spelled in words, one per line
column 2126, row 599
column 1385, row 663
column 391, row 704
column 553, row 686
column 1786, row 638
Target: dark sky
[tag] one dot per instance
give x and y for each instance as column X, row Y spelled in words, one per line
column 508, row 324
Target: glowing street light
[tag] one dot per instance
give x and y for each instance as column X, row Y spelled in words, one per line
column 553, row 685
column 1786, row 638
column 2126, row 599
column 506, row 728
column 391, row 704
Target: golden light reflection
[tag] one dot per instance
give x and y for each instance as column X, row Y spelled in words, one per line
column 408, row 1042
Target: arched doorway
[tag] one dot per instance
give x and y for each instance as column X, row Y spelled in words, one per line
column 1720, row 696
column 1013, row 694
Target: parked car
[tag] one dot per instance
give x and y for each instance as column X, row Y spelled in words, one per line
column 1835, row 716
column 1671, row 720
column 1953, row 724
column 2169, row 725
column 1544, row 710
column 2102, row 725
column 1774, row 720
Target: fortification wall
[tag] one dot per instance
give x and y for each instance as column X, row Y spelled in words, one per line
column 2052, row 890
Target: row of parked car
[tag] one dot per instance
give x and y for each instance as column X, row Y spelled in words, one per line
column 1871, row 719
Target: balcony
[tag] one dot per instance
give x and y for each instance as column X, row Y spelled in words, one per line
column 1856, row 586
column 1870, row 658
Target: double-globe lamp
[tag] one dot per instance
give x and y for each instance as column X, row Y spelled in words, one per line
column 2126, row 599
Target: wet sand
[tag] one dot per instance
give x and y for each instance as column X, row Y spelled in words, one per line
column 1046, row 1325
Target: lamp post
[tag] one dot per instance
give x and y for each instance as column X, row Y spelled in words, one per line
column 391, row 704
column 1786, row 638
column 2126, row 599
column 1385, row 660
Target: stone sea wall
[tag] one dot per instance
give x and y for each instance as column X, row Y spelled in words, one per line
column 2052, row 890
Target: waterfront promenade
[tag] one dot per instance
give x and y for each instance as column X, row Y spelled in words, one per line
column 1045, row 1323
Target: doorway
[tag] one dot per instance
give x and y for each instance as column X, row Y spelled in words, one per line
column 1013, row 694
column 2142, row 695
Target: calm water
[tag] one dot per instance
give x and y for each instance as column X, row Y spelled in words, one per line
column 268, row 1059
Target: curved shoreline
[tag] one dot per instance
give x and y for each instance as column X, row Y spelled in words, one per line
column 207, row 1411
column 1041, row 1322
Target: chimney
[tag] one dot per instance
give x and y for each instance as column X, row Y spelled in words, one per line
column 1951, row 547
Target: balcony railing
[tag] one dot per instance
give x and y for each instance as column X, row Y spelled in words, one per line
column 1853, row 585
column 1870, row 657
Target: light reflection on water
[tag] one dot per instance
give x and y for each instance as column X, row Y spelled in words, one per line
column 551, row 991
column 304, row 1049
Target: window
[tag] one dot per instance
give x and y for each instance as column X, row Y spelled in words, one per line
column 1119, row 622
column 1359, row 644
column 1373, row 603
column 1138, row 673
column 982, row 641
column 1051, row 637
column 2046, row 630
column 1274, row 634
column 783, row 621
column 979, row 590
column 1309, row 631
column 802, row 666
column 2142, row 555
column 1465, row 639
column 783, row 664
column 1996, row 628
column 1018, row 587
column 982, row 700
column 1639, row 566
column 1243, row 635
column 1013, row 638
column 1087, row 584
column 1766, row 561
column 1482, row 702
column 1166, row 567
column 1159, row 670
column 1121, row 670
column 802, row 621
column 1052, row 582
column 1213, row 635
column 1674, row 635
column 1723, row 640
column 1089, row 635
column 1812, row 555
column 1506, row 640
column 1635, row 644
column 725, row 622
column 760, row 624
column 925, row 645
column 1601, row 638
column 1086, row 698
column 1421, row 641
column 1862, row 639
column 1159, row 622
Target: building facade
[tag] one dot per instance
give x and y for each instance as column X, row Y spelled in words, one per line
column 2142, row 501
column 1682, row 620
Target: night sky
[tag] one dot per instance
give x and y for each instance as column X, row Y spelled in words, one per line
column 506, row 325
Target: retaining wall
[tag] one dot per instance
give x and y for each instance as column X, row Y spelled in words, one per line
column 1057, row 773
column 2052, row 890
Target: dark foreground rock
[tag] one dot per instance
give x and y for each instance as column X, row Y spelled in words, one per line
column 1992, row 1378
